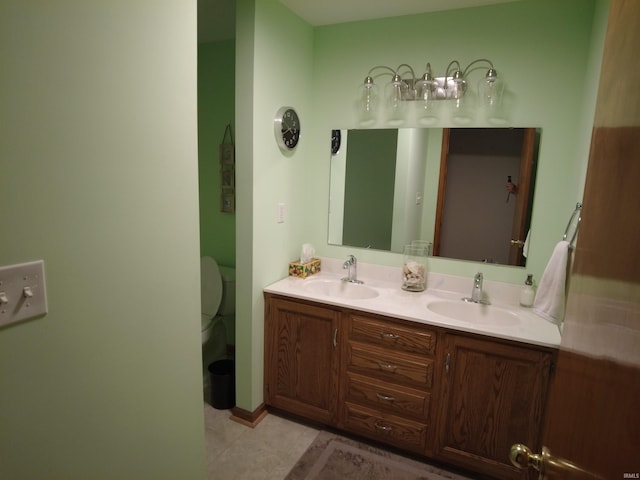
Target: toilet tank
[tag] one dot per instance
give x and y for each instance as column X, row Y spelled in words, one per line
column 228, row 303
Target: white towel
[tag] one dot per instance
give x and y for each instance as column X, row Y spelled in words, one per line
column 551, row 294
column 525, row 247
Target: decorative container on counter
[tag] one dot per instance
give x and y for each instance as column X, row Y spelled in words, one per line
column 303, row 270
column 414, row 268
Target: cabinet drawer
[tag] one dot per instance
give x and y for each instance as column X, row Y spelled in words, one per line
column 387, row 334
column 384, row 364
column 386, row 428
column 386, row 396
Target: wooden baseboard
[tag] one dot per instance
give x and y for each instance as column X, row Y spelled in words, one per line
column 247, row 418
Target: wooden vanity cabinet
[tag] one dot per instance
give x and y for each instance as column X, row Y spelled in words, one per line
column 301, row 358
column 493, row 395
column 387, row 377
column 457, row 397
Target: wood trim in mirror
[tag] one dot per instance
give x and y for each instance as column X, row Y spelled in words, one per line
column 446, row 135
column 521, row 212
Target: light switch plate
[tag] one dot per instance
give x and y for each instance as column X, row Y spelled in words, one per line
column 280, row 213
column 23, row 292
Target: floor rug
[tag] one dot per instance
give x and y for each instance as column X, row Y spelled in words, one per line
column 333, row 457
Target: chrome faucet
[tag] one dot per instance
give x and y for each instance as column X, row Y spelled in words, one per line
column 476, row 292
column 352, row 266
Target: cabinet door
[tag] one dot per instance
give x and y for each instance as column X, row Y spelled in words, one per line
column 301, row 359
column 494, row 395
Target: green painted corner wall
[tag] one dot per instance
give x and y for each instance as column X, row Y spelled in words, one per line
column 274, row 69
column 216, row 110
column 284, row 61
column 98, row 154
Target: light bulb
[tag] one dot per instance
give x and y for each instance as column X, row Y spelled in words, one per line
column 368, row 99
column 459, row 85
column 491, row 88
column 396, row 93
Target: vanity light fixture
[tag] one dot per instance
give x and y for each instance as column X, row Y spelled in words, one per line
column 405, row 86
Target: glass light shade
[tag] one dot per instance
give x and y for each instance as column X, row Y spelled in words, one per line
column 490, row 90
column 462, row 110
column 491, row 93
column 395, row 94
column 426, row 94
column 368, row 100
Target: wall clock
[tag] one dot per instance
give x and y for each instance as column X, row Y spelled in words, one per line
column 336, row 139
column 287, row 128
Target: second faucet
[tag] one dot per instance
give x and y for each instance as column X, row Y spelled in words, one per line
column 476, row 292
column 351, row 264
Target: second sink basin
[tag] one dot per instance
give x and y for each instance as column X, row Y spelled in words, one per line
column 474, row 313
column 340, row 289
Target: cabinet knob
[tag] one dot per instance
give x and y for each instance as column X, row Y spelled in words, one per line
column 386, row 398
column 381, row 426
column 389, row 367
column 389, row 336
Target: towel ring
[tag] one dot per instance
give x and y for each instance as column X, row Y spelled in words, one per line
column 576, row 211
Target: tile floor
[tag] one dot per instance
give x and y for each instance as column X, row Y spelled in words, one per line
column 266, row 452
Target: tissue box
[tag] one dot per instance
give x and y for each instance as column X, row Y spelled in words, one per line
column 303, row 270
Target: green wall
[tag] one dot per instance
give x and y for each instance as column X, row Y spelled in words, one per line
column 548, row 52
column 216, row 109
column 543, row 51
column 274, row 69
column 369, row 187
column 98, row 154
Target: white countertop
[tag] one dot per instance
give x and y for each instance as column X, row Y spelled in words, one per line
column 394, row 302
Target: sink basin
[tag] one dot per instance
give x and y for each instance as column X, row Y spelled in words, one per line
column 340, row 289
column 474, row 313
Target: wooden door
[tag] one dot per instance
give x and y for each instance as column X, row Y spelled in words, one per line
column 494, row 393
column 524, row 199
column 301, row 358
column 594, row 409
column 469, row 160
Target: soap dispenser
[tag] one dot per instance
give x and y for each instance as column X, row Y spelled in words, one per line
column 527, row 293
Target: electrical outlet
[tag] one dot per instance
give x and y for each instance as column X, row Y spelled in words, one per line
column 23, row 293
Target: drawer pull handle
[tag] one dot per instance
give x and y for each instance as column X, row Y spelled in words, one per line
column 389, row 336
column 335, row 338
column 389, row 367
column 381, row 426
column 386, row 398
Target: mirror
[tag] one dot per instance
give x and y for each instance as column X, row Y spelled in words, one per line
column 467, row 191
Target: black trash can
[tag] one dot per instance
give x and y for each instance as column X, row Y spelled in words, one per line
column 223, row 385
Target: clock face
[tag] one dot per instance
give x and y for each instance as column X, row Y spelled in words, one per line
column 336, row 138
column 287, row 128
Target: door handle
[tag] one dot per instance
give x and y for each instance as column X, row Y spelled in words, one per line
column 518, row 243
column 549, row 466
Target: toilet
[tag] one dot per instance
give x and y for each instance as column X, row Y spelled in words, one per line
column 218, row 300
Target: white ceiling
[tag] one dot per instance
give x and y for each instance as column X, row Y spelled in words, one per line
column 328, row 12
column 216, row 18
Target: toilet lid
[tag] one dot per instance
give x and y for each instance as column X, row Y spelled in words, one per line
column 207, row 321
column 210, row 286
